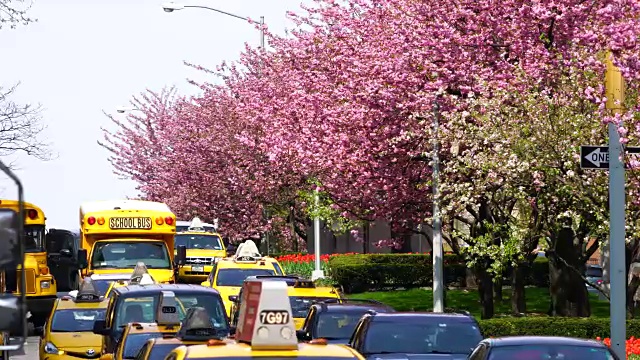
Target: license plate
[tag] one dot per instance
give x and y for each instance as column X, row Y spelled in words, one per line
column 197, row 268
column 133, row 223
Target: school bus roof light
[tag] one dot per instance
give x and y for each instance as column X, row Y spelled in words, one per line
column 267, row 324
column 197, row 326
column 101, row 221
column 32, row 214
column 168, row 220
column 167, row 311
column 159, row 220
column 91, row 220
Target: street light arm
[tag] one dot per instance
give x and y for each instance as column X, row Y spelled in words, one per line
column 216, row 10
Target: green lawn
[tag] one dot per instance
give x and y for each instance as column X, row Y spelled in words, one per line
column 422, row 300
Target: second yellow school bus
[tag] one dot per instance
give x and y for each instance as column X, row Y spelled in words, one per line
column 120, row 233
column 40, row 286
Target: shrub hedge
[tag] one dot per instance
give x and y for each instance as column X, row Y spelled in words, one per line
column 588, row 328
column 373, row 272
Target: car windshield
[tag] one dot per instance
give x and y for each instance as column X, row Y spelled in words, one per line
column 594, row 272
column 134, row 342
column 101, row 286
column 430, row 336
column 76, row 320
column 300, row 304
column 235, row 277
column 564, row 352
column 332, row 325
column 126, row 254
column 160, row 351
column 205, row 242
column 142, row 309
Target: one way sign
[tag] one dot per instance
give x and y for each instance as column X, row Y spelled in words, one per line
column 597, row 157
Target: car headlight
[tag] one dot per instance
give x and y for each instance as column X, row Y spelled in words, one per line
column 45, row 284
column 49, row 348
column 216, row 259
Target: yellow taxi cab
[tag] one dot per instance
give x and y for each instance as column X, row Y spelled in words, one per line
column 137, row 302
column 136, row 334
column 265, row 330
column 228, row 274
column 302, row 294
column 196, row 329
column 204, row 248
column 68, row 333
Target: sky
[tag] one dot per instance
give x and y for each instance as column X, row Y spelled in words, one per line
column 83, row 57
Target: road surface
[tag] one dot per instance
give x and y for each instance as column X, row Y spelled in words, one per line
column 29, row 352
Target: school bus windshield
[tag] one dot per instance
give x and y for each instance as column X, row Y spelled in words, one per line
column 34, row 238
column 204, row 242
column 126, row 254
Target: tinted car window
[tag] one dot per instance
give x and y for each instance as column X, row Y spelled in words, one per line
column 435, row 336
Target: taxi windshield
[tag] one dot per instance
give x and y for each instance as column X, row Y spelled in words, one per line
column 236, row 277
column 441, row 336
column 142, row 309
column 76, row 320
column 101, row 286
column 126, row 254
column 300, row 304
column 160, row 351
column 550, row 352
column 333, row 326
column 204, row 242
column 134, row 342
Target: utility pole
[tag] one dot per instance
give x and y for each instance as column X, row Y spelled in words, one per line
column 317, row 273
column 438, row 278
column 614, row 89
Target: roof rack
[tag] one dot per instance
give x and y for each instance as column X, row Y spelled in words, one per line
column 141, row 276
column 167, row 310
column 197, row 326
column 86, row 293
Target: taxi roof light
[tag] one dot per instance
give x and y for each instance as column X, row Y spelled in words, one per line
column 167, row 311
column 196, row 225
column 87, row 292
column 197, row 326
column 141, row 276
column 304, row 284
column 266, row 320
column 247, row 252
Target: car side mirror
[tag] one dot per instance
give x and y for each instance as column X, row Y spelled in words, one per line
column 100, row 327
column 302, row 335
column 65, row 252
column 233, row 298
column 83, row 261
column 181, row 255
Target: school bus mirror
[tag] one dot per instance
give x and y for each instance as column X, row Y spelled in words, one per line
column 233, row 298
column 66, row 253
column 10, row 256
column 181, row 256
column 82, row 259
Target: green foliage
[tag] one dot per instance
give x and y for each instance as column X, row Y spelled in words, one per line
column 326, row 210
column 587, row 328
column 373, row 272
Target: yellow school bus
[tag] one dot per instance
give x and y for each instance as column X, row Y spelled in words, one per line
column 120, row 233
column 40, row 285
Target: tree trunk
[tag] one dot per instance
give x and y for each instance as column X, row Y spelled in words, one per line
column 485, row 291
column 518, row 299
column 497, row 290
column 365, row 238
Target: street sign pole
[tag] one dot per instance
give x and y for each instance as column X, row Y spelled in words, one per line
column 614, row 86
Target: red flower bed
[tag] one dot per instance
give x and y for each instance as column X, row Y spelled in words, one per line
column 307, row 258
column 633, row 345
